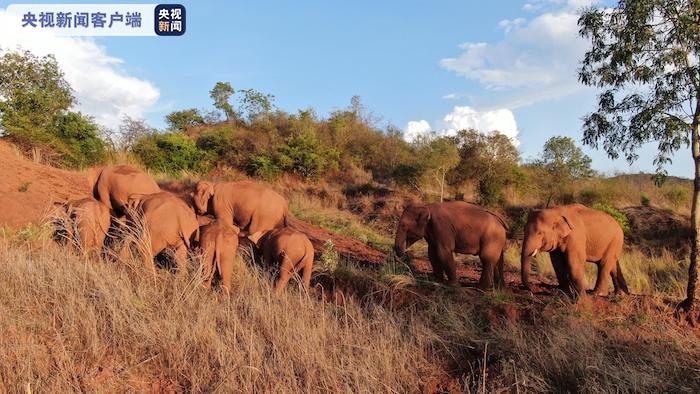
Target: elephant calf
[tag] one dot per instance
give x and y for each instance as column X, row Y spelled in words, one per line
column 218, row 241
column 289, row 250
column 86, row 225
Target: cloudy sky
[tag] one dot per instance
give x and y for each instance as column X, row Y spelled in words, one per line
column 506, row 65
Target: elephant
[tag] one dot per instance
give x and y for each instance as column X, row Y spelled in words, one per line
column 455, row 227
column 112, row 185
column 86, row 226
column 289, row 250
column 169, row 222
column 218, row 241
column 251, row 206
column 574, row 234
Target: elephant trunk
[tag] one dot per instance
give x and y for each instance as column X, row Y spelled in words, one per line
column 400, row 242
column 528, row 252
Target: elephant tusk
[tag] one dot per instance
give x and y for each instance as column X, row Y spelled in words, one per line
column 535, row 253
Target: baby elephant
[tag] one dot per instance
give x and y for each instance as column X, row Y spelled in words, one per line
column 86, row 225
column 218, row 241
column 287, row 249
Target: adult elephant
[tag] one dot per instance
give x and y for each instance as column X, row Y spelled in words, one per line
column 113, row 185
column 251, row 206
column 169, row 223
column 574, row 234
column 455, row 227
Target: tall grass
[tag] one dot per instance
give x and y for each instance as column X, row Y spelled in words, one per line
column 75, row 325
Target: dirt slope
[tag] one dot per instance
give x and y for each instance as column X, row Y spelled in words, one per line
column 28, row 189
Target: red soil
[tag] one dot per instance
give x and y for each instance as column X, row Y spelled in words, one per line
column 28, row 189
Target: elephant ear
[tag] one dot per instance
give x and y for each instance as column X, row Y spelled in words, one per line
column 207, row 188
column 563, row 227
column 423, row 216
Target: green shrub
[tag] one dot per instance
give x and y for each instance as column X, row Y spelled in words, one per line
column 171, row 153
column 79, row 141
column 222, row 145
column 645, row 201
column 304, row 155
column 489, row 190
column 263, row 166
column 618, row 215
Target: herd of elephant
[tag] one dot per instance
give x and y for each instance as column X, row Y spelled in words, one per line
column 221, row 213
column 125, row 197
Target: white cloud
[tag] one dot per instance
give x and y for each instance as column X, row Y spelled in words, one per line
column 102, row 88
column 543, row 52
column 415, row 128
column 510, row 24
column 536, row 58
column 465, row 117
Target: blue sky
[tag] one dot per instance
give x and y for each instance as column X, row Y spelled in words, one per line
column 507, row 64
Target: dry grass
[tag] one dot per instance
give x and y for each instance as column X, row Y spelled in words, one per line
column 75, row 325
column 71, row 324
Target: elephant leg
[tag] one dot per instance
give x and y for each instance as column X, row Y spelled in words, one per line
column 180, row 256
column 446, row 260
column 578, row 275
column 488, row 264
column 619, row 280
column 605, row 270
column 307, row 271
column 500, row 277
column 286, row 272
column 560, row 269
column 438, row 270
column 208, row 267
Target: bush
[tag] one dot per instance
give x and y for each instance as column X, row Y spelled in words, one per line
column 304, row 155
column 645, row 201
column 79, row 141
column 171, row 153
column 489, row 190
column 263, row 166
column 221, row 143
column 618, row 215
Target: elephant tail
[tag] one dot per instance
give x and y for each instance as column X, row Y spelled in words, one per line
column 621, row 278
column 218, row 253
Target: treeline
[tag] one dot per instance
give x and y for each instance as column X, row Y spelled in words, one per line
column 243, row 130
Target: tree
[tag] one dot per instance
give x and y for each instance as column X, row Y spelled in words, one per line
column 254, row 103
column 488, row 159
column 33, row 96
column 131, row 130
column 439, row 155
column 221, row 94
column 644, row 57
column 80, row 144
column 34, row 108
column 562, row 162
column 181, row 120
